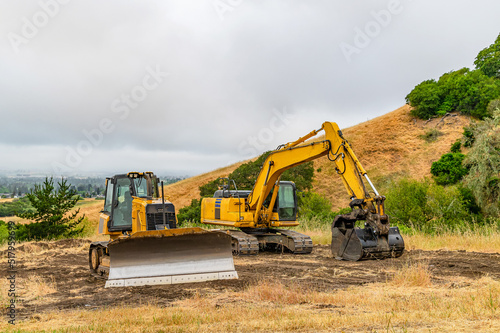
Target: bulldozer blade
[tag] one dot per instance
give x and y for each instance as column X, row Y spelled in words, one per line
column 361, row 243
column 170, row 256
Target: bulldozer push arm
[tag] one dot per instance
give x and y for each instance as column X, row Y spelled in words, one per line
column 377, row 239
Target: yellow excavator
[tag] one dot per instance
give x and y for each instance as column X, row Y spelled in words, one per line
column 146, row 247
column 273, row 203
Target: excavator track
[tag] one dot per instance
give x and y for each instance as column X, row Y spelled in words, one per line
column 280, row 239
column 244, row 244
column 302, row 244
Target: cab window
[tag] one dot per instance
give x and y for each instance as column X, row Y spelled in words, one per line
column 141, row 187
column 109, row 196
column 286, row 202
column 122, row 211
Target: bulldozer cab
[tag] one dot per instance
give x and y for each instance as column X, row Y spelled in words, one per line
column 118, row 199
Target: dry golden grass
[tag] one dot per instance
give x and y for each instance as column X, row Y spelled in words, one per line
column 15, row 219
column 32, row 288
column 470, row 241
column 91, row 210
column 36, row 286
column 4, row 292
column 319, row 237
column 412, row 275
column 272, row 306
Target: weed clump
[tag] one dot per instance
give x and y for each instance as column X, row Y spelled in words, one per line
column 431, row 135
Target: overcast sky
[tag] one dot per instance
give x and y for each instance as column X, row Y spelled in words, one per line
column 184, row 87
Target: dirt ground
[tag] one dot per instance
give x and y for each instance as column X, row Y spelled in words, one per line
column 64, row 266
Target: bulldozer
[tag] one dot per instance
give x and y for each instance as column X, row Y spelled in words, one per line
column 272, row 203
column 146, row 247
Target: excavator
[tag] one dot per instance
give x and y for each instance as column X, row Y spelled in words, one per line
column 273, row 203
column 146, row 247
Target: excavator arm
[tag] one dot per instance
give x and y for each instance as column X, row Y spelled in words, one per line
column 336, row 148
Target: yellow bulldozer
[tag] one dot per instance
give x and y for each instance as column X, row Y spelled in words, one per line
column 273, row 203
column 146, row 247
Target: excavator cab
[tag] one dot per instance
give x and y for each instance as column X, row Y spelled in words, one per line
column 229, row 207
column 286, row 203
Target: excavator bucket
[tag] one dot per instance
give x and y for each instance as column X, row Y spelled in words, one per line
column 353, row 243
column 170, row 256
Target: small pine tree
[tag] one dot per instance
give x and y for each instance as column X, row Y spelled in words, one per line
column 52, row 214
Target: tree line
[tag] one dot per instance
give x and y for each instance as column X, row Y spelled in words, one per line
column 473, row 92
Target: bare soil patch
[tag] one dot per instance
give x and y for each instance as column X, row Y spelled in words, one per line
column 64, row 266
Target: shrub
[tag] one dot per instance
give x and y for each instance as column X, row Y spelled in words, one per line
column 14, row 207
column 431, row 135
column 313, row 205
column 4, row 232
column 456, row 146
column 468, row 135
column 449, row 169
column 426, row 206
column 493, row 106
column 469, row 200
column 425, row 98
column 406, row 202
column 191, row 213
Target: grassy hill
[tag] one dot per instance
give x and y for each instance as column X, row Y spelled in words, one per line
column 388, row 146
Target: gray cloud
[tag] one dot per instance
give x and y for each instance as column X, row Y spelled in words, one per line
column 227, row 78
